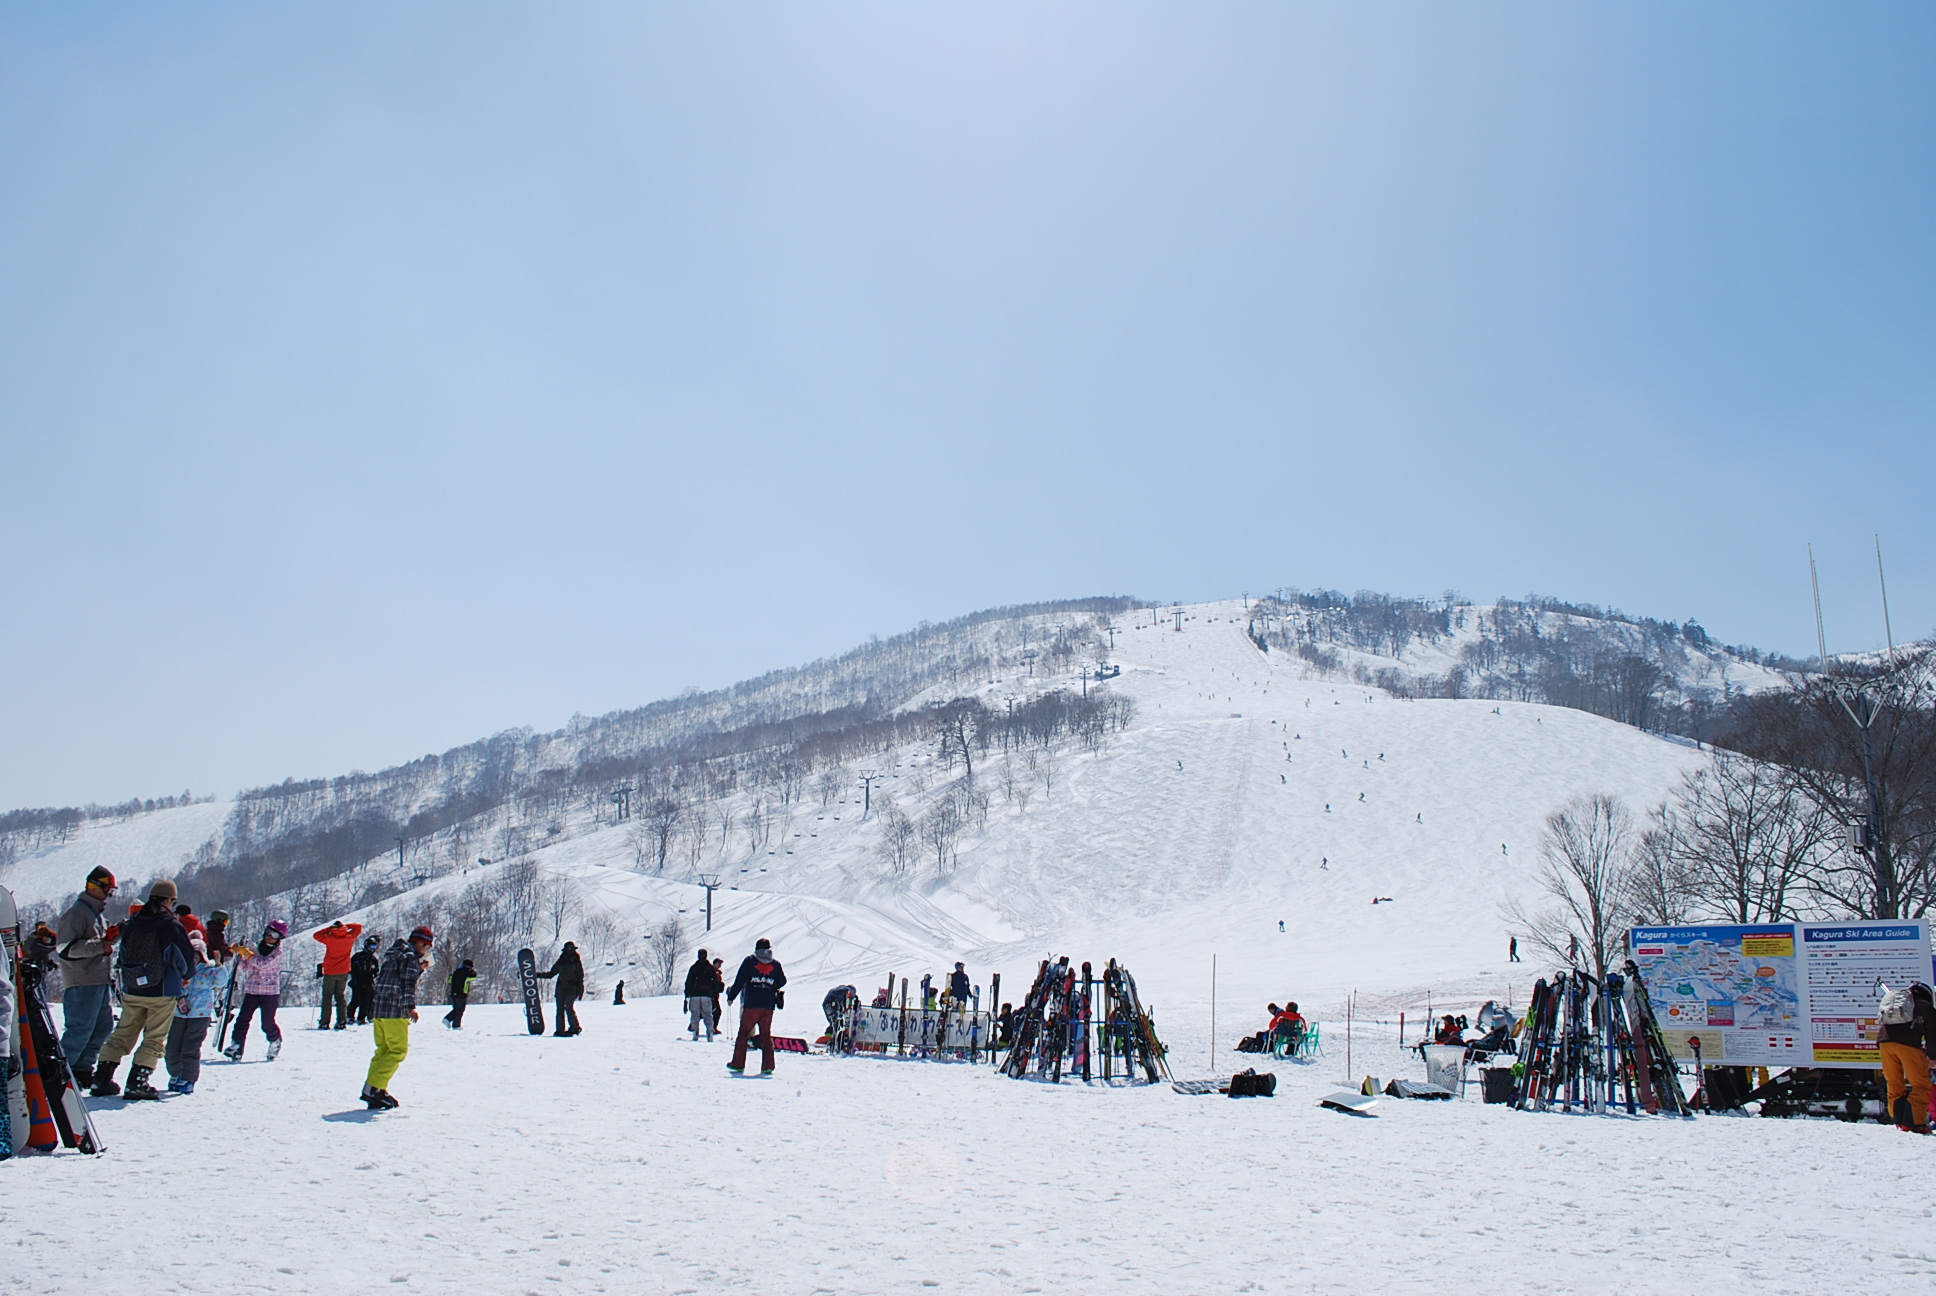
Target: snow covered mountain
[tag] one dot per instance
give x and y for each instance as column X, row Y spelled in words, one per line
column 1246, row 785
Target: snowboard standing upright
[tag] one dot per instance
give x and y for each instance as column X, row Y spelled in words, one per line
column 528, row 982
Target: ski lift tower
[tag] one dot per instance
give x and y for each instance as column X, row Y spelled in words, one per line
column 711, row 882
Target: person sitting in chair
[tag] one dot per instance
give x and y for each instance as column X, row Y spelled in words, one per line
column 1287, row 1030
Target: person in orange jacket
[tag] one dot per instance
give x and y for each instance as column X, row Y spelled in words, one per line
column 339, row 942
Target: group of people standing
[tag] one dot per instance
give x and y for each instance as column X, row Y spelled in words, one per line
column 175, row 973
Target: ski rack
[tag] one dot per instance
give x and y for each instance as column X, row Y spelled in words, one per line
column 1058, row 1026
column 1593, row 1046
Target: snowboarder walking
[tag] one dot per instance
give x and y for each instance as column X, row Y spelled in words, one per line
column 1908, row 1048
column 156, row 961
column 1512, row 949
column 363, row 966
column 570, row 973
column 261, row 990
column 761, row 980
column 461, row 982
column 339, row 943
column 702, row 983
column 84, row 941
column 395, row 1009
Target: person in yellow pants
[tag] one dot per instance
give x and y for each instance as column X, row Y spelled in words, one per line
column 396, row 1008
column 1907, row 1049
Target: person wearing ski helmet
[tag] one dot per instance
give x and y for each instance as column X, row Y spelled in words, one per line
column 84, row 949
column 261, row 990
column 156, row 961
column 569, row 970
column 363, row 967
column 396, row 1008
column 761, row 981
column 1908, row 1049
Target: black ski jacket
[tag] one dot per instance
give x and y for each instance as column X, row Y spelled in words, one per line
column 570, row 971
column 157, row 928
column 759, row 982
column 1920, row 1030
column 701, row 980
column 363, row 968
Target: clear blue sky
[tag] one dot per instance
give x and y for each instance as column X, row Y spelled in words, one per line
column 374, row 377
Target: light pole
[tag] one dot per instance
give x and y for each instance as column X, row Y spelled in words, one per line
column 711, row 882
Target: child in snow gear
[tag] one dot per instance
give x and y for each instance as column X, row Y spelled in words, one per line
column 1906, row 1038
column 194, row 1014
column 84, row 949
column 339, row 943
column 396, row 1008
column 363, row 966
column 261, row 990
column 570, row 973
column 461, row 982
column 702, row 984
column 760, row 979
column 156, row 961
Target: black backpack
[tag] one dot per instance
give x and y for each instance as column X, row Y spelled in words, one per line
column 142, row 970
column 1249, row 1084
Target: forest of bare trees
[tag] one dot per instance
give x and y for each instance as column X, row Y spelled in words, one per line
column 1822, row 805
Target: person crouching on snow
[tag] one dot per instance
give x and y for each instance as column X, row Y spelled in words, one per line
column 396, row 1008
column 760, row 979
column 261, row 990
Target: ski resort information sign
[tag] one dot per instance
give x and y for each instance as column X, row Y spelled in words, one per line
column 1776, row 994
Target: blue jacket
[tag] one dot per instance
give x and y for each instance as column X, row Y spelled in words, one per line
column 759, row 982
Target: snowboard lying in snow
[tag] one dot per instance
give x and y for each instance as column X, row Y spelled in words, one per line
column 1354, row 1104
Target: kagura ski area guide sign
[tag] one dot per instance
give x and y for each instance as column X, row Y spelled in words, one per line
column 1777, row 994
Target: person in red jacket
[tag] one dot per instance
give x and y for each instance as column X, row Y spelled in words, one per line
column 339, row 942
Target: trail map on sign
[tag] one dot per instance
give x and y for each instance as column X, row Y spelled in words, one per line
column 1739, row 990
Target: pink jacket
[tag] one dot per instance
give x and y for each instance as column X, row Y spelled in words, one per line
column 263, row 974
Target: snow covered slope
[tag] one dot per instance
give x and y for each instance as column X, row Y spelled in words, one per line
column 1243, row 793
column 142, row 846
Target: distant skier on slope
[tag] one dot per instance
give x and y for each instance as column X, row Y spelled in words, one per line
column 394, row 1010
column 762, row 981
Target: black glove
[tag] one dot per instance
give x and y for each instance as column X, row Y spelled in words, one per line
column 779, row 998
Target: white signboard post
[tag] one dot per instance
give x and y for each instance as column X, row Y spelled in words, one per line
column 1776, row 994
